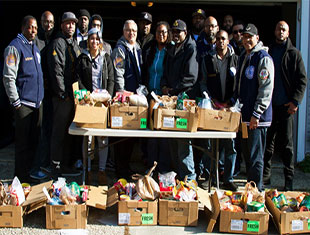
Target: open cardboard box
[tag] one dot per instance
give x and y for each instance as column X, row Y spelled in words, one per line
column 218, row 120
column 289, row 222
column 75, row 216
column 89, row 116
column 128, row 117
column 12, row 216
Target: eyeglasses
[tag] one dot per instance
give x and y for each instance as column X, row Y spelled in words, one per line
column 237, row 31
column 131, row 30
column 161, row 32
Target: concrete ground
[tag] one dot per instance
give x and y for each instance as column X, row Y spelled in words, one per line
column 105, row 222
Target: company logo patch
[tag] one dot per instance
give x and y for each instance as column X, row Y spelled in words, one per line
column 249, row 72
column 176, row 23
column 28, row 58
column 11, row 60
column 54, row 53
column 118, row 62
column 199, row 11
column 264, row 74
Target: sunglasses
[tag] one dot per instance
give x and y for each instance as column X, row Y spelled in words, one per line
column 237, row 31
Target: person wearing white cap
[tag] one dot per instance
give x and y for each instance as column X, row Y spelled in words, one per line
column 94, row 70
column 61, row 58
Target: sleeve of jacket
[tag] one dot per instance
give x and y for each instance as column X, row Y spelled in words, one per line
column 203, row 76
column 10, row 69
column 79, row 72
column 118, row 58
column 300, row 79
column 110, row 87
column 190, row 71
column 265, row 76
column 56, row 65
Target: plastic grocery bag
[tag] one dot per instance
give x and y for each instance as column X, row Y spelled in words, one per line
column 17, row 196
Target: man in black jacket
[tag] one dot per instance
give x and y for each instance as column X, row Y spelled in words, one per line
column 180, row 74
column 218, row 75
column 289, row 88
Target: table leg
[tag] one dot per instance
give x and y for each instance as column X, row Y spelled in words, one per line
column 85, row 157
column 217, row 162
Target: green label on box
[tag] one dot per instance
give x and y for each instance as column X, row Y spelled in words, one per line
column 181, row 123
column 142, row 123
column 308, row 224
column 147, row 218
column 253, row 226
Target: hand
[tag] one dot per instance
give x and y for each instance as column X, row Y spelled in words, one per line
column 165, row 90
column 18, row 107
column 253, row 123
column 292, row 108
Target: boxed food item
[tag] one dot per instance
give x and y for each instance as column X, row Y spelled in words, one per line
column 67, row 204
column 91, row 110
column 290, row 211
column 128, row 111
column 13, row 206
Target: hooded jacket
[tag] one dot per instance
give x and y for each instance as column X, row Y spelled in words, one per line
column 181, row 69
column 127, row 75
column 210, row 80
column 293, row 72
column 84, row 72
column 255, row 79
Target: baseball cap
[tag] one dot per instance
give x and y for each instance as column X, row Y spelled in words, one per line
column 179, row 24
column 146, row 16
column 68, row 16
column 250, row 29
column 93, row 31
column 84, row 12
column 199, row 12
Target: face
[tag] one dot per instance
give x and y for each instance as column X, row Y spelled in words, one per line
column 211, row 28
column 178, row 36
column 237, row 32
column 161, row 34
column 30, row 29
column 47, row 22
column 221, row 41
column 68, row 28
column 96, row 24
column 144, row 27
column 93, row 42
column 130, row 33
column 249, row 41
column 83, row 23
column 282, row 31
column 228, row 22
column 198, row 22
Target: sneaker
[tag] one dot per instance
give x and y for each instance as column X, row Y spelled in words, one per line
column 47, row 169
column 66, row 171
column 38, row 175
column 230, row 186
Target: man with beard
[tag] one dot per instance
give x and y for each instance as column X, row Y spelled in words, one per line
column 198, row 21
column 289, row 88
column 206, row 40
column 61, row 59
column 82, row 29
column 236, row 41
column 144, row 32
column 227, row 25
column 180, row 75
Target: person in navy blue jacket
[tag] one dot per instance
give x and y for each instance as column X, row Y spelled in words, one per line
column 23, row 82
column 255, row 78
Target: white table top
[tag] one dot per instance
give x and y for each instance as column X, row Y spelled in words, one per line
column 74, row 130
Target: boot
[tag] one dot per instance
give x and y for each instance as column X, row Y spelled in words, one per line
column 102, row 178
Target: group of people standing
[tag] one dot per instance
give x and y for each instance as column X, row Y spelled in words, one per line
column 228, row 63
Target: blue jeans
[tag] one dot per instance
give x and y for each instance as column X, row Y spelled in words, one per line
column 227, row 148
column 253, row 149
column 182, row 154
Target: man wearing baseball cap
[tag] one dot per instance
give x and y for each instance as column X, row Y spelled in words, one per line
column 82, row 29
column 180, row 75
column 144, row 25
column 254, row 90
column 198, row 21
column 61, row 58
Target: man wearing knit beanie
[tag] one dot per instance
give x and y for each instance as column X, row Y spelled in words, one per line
column 81, row 32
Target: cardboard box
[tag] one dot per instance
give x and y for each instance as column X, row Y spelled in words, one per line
column 12, row 216
column 89, row 116
column 218, row 120
column 176, row 120
column 75, row 216
column 128, row 117
column 289, row 222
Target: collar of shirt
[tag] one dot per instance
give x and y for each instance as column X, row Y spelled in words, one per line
column 24, row 39
column 79, row 34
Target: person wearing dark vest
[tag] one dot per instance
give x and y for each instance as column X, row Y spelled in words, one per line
column 23, row 82
column 217, row 78
column 127, row 62
column 289, row 88
column 255, row 79
column 61, row 58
